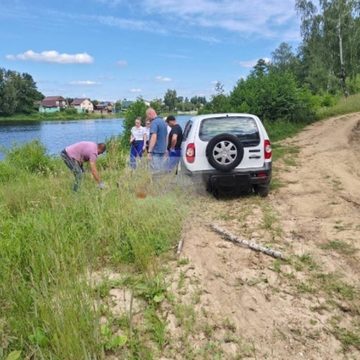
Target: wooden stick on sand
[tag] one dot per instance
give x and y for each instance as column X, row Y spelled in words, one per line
column 251, row 245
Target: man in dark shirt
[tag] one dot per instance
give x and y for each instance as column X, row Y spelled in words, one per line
column 174, row 142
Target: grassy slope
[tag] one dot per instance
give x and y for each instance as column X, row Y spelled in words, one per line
column 281, row 129
column 52, row 240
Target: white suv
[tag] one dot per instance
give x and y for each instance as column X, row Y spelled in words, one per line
column 230, row 152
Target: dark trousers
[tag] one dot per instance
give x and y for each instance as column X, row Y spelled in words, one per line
column 174, row 158
column 75, row 167
column 136, row 151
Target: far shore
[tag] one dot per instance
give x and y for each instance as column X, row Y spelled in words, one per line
column 59, row 116
column 62, row 116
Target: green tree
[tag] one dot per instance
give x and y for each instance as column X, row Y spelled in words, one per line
column 284, row 59
column 157, row 105
column 118, row 106
column 219, row 88
column 272, row 95
column 136, row 109
column 331, row 43
column 170, row 99
column 8, row 99
column 18, row 93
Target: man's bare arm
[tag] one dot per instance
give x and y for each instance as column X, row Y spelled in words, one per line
column 153, row 138
column 173, row 141
column 94, row 172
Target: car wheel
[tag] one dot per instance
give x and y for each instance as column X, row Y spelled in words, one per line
column 224, row 152
column 262, row 190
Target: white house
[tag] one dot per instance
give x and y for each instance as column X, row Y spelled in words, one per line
column 83, row 105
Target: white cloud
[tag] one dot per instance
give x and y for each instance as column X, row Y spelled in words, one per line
column 52, row 56
column 163, row 78
column 135, row 90
column 122, row 63
column 128, row 24
column 269, row 18
column 110, row 2
column 251, row 63
column 84, row 82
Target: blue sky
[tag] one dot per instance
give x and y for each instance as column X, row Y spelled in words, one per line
column 115, row 49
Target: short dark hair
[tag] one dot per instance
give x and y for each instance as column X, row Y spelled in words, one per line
column 170, row 118
column 102, row 146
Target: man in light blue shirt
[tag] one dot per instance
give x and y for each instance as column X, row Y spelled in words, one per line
column 158, row 141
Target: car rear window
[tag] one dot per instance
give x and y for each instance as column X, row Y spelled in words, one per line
column 187, row 129
column 245, row 128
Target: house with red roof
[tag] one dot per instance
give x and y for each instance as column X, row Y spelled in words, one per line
column 52, row 104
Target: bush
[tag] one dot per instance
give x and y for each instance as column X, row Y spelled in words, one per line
column 116, row 155
column 7, row 172
column 30, row 157
column 136, row 109
column 68, row 111
column 272, row 95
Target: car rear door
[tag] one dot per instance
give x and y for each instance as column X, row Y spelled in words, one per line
column 245, row 127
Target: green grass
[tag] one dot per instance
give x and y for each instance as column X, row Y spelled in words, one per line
column 343, row 106
column 51, row 241
column 339, row 246
column 347, row 338
column 279, row 130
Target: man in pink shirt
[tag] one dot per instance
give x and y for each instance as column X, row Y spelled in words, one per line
column 75, row 155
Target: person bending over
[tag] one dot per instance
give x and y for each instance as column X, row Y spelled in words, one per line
column 77, row 154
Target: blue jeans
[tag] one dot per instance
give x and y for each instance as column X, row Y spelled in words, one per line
column 136, row 151
column 157, row 163
column 174, row 158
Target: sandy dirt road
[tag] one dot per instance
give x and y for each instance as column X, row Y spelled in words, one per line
column 248, row 305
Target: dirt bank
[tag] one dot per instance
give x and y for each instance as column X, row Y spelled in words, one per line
column 248, row 305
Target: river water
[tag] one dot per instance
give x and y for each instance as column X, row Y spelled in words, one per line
column 55, row 135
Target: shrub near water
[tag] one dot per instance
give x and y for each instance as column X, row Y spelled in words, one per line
column 50, row 238
column 30, row 157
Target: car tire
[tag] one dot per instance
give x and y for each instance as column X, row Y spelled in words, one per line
column 224, row 152
column 262, row 190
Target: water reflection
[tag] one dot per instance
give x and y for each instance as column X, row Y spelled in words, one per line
column 55, row 135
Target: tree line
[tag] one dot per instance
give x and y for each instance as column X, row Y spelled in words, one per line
column 18, row 93
column 293, row 85
column 171, row 102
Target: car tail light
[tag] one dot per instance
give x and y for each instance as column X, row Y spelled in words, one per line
column 190, row 153
column 267, row 149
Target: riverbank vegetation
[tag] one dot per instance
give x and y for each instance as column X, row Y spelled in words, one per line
column 54, row 243
column 67, row 114
column 18, row 93
column 64, row 253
